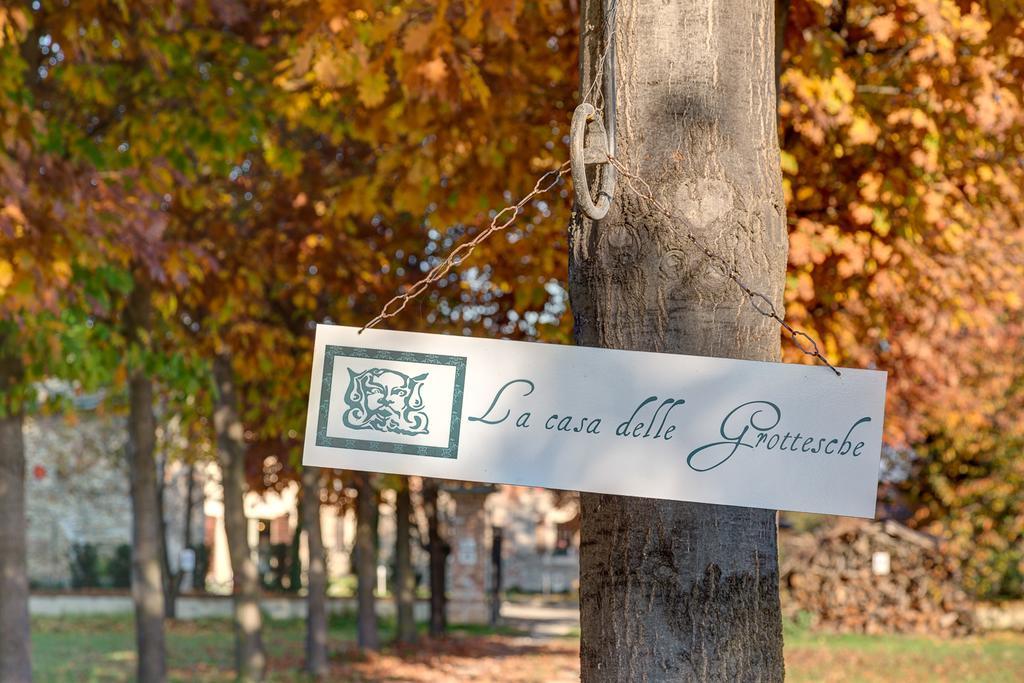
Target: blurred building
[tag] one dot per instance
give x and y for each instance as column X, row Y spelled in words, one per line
column 79, row 522
column 541, row 539
column 76, row 494
column 79, row 511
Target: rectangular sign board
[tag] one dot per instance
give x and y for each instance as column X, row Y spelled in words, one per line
column 708, row 430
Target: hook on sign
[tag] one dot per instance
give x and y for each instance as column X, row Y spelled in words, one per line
column 589, row 145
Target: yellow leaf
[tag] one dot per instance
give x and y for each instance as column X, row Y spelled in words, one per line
column 789, row 164
column 862, row 132
column 62, row 269
column 330, row 69
column 6, row 274
column 373, row 88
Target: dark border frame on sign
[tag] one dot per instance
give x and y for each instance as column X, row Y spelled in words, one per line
column 331, row 352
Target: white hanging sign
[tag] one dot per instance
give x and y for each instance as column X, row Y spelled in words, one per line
column 709, row 430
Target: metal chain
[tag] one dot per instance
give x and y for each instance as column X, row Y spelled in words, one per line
column 545, row 183
column 758, row 301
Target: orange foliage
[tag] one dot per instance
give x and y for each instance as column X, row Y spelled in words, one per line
column 903, row 125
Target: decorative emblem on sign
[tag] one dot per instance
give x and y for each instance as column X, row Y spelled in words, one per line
column 387, row 401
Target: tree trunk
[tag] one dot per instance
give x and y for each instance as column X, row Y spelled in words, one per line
column 670, row 590
column 15, row 643
column 171, row 579
column 366, row 563
column 294, row 553
column 438, row 550
column 147, row 567
column 375, row 521
column 190, row 491
column 405, row 579
column 250, row 657
column 497, row 585
column 316, row 575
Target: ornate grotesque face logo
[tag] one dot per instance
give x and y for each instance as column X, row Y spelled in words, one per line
column 385, row 400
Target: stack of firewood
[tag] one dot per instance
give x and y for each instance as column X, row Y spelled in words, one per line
column 871, row 577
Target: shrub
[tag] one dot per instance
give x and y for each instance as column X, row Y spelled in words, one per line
column 85, row 566
column 119, row 567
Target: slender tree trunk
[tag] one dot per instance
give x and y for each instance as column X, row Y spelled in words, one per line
column 147, row 567
column 375, row 522
column 405, row 579
column 497, row 585
column 250, row 657
column 15, row 641
column 680, row 591
column 316, row 575
column 170, row 578
column 294, row 552
column 190, row 490
column 438, row 551
column 366, row 563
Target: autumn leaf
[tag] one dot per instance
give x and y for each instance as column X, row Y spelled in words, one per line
column 862, row 132
column 416, row 37
column 373, row 89
column 6, row 274
column 434, row 71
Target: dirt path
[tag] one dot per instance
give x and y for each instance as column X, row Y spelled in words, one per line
column 542, row 620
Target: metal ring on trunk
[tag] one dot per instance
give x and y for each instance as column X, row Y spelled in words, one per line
column 596, row 152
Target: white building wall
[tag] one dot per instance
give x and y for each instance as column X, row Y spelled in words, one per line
column 77, row 493
column 77, row 486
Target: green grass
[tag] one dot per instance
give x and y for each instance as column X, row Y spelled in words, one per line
column 994, row 658
column 101, row 649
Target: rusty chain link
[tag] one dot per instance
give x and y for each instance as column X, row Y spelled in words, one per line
column 545, row 183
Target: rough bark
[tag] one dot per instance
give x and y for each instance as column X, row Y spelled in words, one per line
column 366, row 563
column 670, row 590
column 316, row 575
column 250, row 657
column 405, row 579
column 147, row 567
column 438, row 551
column 15, row 643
